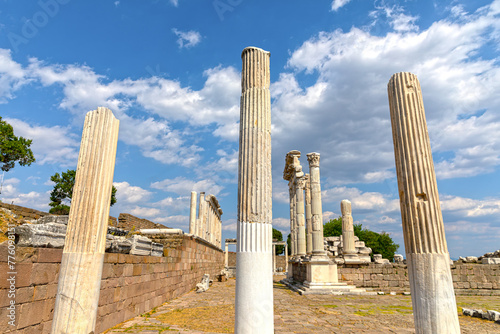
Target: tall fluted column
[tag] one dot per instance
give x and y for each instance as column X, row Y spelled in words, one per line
column 254, row 281
column 83, row 255
column 192, row 213
column 201, row 213
column 433, row 298
column 226, row 255
column 309, row 246
column 316, row 207
column 292, row 220
column 300, row 184
column 347, row 228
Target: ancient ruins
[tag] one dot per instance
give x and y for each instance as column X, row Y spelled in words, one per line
column 208, row 224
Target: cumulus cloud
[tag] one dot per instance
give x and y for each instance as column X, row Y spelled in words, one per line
column 182, row 186
column 12, row 195
column 187, row 39
column 336, row 4
column 130, row 194
column 12, row 76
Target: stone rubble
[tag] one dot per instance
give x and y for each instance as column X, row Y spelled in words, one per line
column 204, row 284
column 488, row 315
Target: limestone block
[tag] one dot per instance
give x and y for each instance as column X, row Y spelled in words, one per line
column 491, row 260
column 364, row 250
column 471, row 259
column 156, row 249
column 494, row 315
column 204, row 284
column 365, row 258
column 117, row 231
column 53, row 219
column 359, row 244
column 377, row 258
column 118, row 244
column 140, row 245
column 41, row 235
column 398, row 258
column 467, row 312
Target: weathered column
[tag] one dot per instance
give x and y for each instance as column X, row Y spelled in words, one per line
column 82, row 260
column 433, row 298
column 286, row 257
column 226, row 256
column 192, row 213
column 201, row 213
column 274, row 258
column 293, row 216
column 308, row 216
column 347, row 228
column 316, row 207
column 254, row 281
column 300, row 184
column 206, row 222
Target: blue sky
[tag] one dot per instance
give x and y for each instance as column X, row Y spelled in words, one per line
column 170, row 71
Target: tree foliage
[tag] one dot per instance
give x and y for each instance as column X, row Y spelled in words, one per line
column 380, row 243
column 278, row 236
column 13, row 149
column 62, row 193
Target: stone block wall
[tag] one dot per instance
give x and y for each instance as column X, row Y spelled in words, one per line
column 130, row 284
column 131, row 223
column 22, row 211
column 468, row 279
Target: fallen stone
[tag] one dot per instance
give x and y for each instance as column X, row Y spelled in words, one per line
column 471, row 259
column 398, row 258
column 364, row 250
column 477, row 313
column 392, row 293
column 118, row 244
column 53, row 219
column 467, row 312
column 140, row 245
column 156, row 249
column 50, row 235
column 380, row 293
column 406, row 293
column 117, row 231
column 204, row 285
column 494, row 315
column 490, row 260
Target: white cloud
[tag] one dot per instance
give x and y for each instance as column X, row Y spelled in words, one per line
column 281, row 222
column 51, row 145
column 187, row 39
column 175, row 3
column 12, row 76
column 336, row 4
column 130, row 194
column 11, row 195
column 470, row 207
column 144, row 212
column 183, row 187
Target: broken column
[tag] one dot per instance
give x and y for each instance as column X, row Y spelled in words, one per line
column 254, row 281
column 83, row 254
column 433, row 298
column 348, row 246
column 200, row 224
column 308, row 216
column 192, row 213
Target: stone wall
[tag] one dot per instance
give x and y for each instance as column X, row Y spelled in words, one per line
column 22, row 211
column 280, row 260
column 131, row 223
column 468, row 279
column 130, row 284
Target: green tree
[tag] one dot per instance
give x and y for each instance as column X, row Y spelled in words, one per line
column 13, row 149
column 278, row 236
column 62, row 193
column 380, row 243
column 289, row 243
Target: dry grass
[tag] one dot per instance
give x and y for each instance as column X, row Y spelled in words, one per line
column 208, row 318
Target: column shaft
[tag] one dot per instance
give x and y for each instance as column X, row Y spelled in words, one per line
column 201, row 214
column 316, row 207
column 254, row 283
column 82, row 260
column 192, row 213
column 309, row 246
column 300, row 218
column 347, row 228
column 433, row 298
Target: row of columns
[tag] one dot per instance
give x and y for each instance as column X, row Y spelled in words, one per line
column 208, row 224
column 306, row 217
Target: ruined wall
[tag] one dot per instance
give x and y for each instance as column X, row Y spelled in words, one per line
column 131, row 223
column 22, row 211
column 130, row 284
column 468, row 279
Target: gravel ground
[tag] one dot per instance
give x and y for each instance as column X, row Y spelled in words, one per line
column 213, row 312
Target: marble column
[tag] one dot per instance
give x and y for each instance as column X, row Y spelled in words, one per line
column 347, row 228
column 433, row 298
column 316, row 206
column 83, row 254
column 286, row 257
column 254, row 282
column 206, row 223
column 308, row 216
column 192, row 213
column 226, row 255
column 293, row 216
column 274, row 258
column 201, row 209
column 300, row 183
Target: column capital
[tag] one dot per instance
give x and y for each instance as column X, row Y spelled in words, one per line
column 313, row 159
column 300, row 182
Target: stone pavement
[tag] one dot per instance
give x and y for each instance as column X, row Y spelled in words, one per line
column 213, row 312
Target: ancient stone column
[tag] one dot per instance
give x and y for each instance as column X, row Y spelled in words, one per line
column 286, row 256
column 192, row 213
column 226, row 255
column 300, row 184
column 308, row 216
column 293, row 216
column 433, row 298
column 201, row 209
column 316, row 207
column 274, row 258
column 347, row 228
column 254, row 281
column 83, row 254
